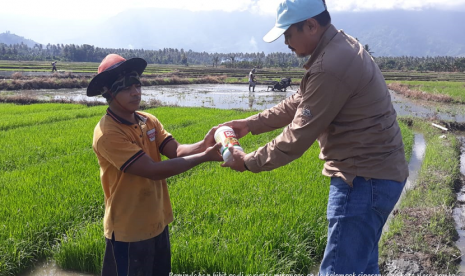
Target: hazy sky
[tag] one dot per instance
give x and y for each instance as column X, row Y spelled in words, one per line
column 61, row 21
column 103, row 9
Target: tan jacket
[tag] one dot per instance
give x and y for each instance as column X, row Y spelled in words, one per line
column 342, row 102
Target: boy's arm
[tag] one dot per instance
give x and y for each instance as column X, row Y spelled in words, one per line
column 174, row 149
column 144, row 166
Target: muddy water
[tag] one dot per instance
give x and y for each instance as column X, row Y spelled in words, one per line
column 236, row 96
column 424, row 109
column 459, row 211
column 223, row 96
column 51, row 269
column 416, row 160
column 418, row 154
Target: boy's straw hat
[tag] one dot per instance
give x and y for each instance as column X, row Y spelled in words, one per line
column 111, row 67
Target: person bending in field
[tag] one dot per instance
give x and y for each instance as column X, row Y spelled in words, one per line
column 342, row 102
column 54, row 67
column 128, row 144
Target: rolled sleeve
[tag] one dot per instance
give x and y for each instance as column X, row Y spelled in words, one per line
column 319, row 104
column 275, row 117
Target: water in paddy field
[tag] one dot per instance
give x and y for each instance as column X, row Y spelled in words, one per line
column 51, row 269
column 414, row 166
column 237, row 96
column 222, row 96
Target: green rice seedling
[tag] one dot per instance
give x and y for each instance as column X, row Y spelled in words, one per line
column 29, row 146
column 224, row 220
column 408, row 138
column 39, row 203
column 80, row 248
column 14, row 109
column 14, row 121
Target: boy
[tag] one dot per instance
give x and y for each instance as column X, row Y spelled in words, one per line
column 128, row 144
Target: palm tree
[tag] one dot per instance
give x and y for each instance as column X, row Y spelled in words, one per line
column 367, row 48
column 232, row 59
column 215, row 61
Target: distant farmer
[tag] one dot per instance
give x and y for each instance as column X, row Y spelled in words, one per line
column 252, row 80
column 54, row 68
column 344, row 104
column 128, row 144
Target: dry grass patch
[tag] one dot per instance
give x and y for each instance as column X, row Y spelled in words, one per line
column 417, row 94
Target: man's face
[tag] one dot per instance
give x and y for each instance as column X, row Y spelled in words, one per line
column 303, row 42
column 130, row 97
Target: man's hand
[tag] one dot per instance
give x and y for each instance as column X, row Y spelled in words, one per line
column 213, row 153
column 237, row 161
column 240, row 127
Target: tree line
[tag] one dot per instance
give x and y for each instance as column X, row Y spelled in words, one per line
column 89, row 53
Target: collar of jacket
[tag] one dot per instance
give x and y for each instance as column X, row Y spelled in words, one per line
column 327, row 36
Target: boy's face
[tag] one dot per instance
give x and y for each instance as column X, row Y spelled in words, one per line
column 129, row 98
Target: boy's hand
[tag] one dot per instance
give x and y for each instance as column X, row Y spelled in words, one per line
column 209, row 139
column 237, row 161
column 240, row 127
column 213, row 153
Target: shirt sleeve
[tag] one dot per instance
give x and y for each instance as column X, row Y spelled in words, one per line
column 320, row 103
column 118, row 150
column 276, row 117
column 162, row 137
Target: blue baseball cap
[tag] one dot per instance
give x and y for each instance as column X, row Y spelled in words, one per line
column 293, row 11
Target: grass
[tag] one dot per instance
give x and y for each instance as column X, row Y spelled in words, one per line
column 423, row 231
column 52, row 201
column 455, row 90
column 14, row 121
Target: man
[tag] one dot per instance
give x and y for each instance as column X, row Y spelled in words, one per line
column 128, row 144
column 342, row 102
column 54, row 68
column 252, row 81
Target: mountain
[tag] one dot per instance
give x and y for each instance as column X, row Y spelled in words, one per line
column 209, row 31
column 9, row 38
column 406, row 33
column 388, row 33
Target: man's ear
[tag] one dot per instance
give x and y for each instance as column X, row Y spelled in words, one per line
column 313, row 25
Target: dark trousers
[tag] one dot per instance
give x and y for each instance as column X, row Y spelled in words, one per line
column 144, row 258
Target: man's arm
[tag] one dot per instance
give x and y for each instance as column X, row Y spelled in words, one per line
column 144, row 166
column 319, row 106
column 276, row 117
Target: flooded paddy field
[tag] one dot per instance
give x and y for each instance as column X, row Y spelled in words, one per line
column 236, row 96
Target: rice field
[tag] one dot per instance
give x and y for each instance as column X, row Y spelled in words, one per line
column 456, row 90
column 229, row 222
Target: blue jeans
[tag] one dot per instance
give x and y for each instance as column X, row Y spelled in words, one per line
column 356, row 217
